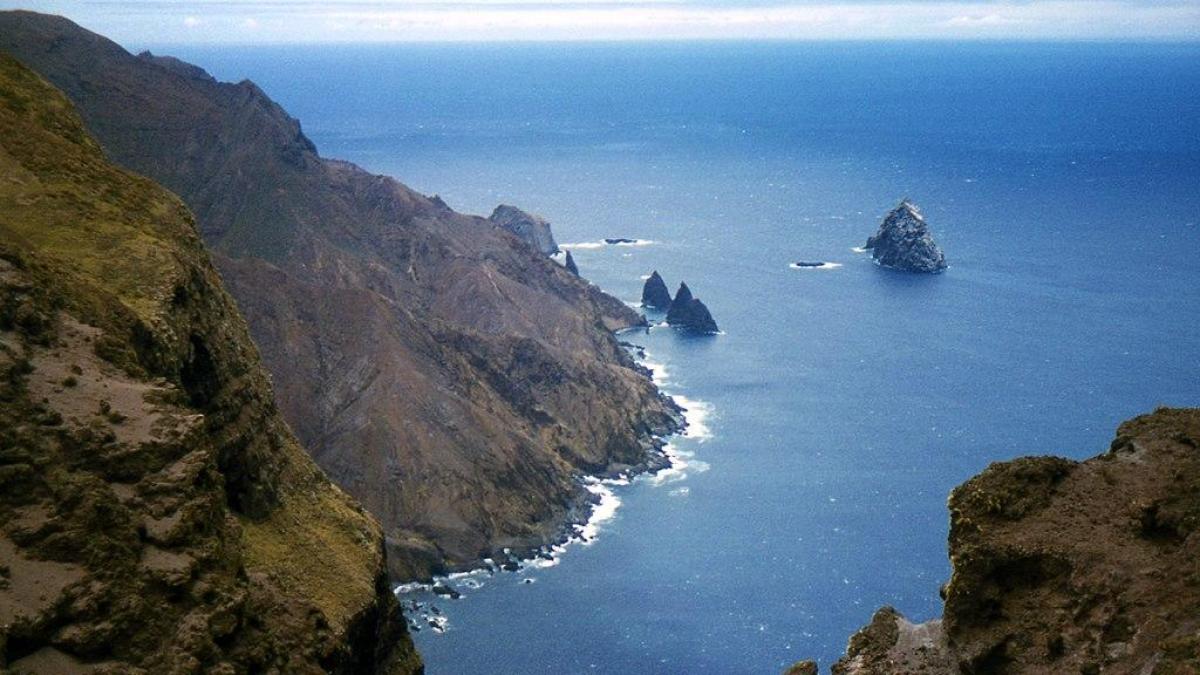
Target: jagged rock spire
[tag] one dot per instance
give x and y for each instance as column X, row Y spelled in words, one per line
column 655, row 294
column 688, row 313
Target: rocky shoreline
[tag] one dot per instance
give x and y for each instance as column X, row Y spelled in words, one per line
column 584, row 512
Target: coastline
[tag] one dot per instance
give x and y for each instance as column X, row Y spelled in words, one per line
column 596, row 503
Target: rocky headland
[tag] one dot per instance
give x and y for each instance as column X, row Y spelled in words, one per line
column 1065, row 567
column 904, row 242
column 447, row 374
column 655, row 294
column 689, row 314
column 532, row 229
column 156, row 513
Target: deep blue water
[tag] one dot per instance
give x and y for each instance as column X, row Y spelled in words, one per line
column 845, row 403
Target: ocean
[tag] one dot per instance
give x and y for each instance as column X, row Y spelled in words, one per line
column 840, row 405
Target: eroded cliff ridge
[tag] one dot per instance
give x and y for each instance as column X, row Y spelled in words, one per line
column 156, row 514
column 450, row 376
column 1065, row 567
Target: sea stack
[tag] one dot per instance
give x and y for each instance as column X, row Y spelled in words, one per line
column 532, row 229
column 689, row 313
column 904, row 242
column 655, row 294
column 569, row 263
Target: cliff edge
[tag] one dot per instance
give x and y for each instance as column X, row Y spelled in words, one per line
column 156, row 514
column 1065, row 567
column 451, row 377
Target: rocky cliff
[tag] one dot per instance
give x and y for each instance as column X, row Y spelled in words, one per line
column 156, row 514
column 904, row 242
column 529, row 228
column 451, row 377
column 1065, row 567
column 689, row 314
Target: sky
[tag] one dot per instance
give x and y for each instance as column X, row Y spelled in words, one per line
column 164, row 22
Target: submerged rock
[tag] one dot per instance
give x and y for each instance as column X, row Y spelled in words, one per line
column 689, row 313
column 569, row 263
column 613, row 241
column 655, row 293
column 533, row 229
column 904, row 242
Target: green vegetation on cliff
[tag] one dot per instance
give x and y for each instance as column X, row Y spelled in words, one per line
column 450, row 376
column 156, row 514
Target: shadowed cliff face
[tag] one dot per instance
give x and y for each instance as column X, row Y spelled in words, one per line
column 1066, row 567
column 447, row 374
column 156, row 514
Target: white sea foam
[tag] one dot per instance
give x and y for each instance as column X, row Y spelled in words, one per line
column 411, row 587
column 658, row 371
column 681, row 464
column 822, row 266
column 697, row 414
column 543, row 563
column 680, row 492
column 587, row 245
column 602, row 512
column 859, row 249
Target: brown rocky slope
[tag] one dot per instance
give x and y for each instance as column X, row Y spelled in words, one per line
column 156, row 514
column 445, row 373
column 1065, row 567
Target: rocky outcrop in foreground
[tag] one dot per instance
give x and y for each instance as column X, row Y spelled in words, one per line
column 655, row 294
column 689, row 314
column 156, row 514
column 529, row 228
column 452, row 378
column 904, row 242
column 569, row 263
column 1065, row 567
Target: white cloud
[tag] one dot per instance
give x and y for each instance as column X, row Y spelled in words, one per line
column 492, row 20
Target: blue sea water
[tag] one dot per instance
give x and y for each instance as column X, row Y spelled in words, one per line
column 845, row 403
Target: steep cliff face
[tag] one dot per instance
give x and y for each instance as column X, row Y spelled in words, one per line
column 451, row 377
column 156, row 514
column 1066, row 567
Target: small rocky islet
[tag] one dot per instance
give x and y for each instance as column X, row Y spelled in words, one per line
column 684, row 311
column 904, row 242
column 655, row 294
